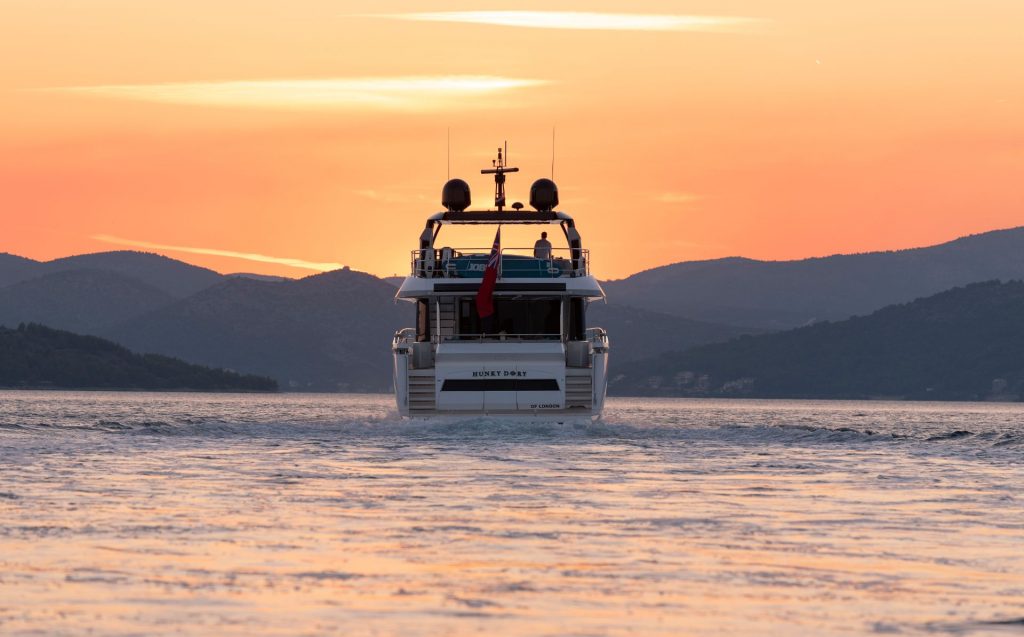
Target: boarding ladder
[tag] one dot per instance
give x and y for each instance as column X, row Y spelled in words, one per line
column 579, row 388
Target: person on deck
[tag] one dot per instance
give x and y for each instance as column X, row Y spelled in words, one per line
column 542, row 249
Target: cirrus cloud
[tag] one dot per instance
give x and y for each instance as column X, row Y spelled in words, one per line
column 410, row 93
column 586, row 20
column 247, row 256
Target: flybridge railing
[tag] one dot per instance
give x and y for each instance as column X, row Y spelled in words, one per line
column 471, row 263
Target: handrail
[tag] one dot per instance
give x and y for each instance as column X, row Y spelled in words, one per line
column 550, row 336
column 404, row 335
column 598, row 336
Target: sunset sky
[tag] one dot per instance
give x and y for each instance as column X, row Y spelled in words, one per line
column 291, row 137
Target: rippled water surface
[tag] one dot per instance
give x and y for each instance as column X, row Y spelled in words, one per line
column 203, row 514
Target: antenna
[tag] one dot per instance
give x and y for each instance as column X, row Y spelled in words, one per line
column 449, row 153
column 499, row 170
column 552, row 152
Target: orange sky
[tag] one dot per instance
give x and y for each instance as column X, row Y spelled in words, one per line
column 316, row 131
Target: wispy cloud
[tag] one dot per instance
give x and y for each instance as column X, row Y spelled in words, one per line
column 248, row 256
column 588, row 20
column 677, row 197
column 413, row 93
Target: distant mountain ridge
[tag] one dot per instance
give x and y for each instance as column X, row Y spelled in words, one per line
column 35, row 356
column 78, row 300
column 176, row 278
column 331, row 331
column 962, row 344
column 784, row 294
column 326, row 332
column 637, row 334
column 14, row 268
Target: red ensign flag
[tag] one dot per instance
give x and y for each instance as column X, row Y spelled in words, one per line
column 485, row 295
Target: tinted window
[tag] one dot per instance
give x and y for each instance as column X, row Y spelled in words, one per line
column 514, row 316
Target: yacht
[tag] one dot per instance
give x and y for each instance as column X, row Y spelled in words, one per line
column 500, row 331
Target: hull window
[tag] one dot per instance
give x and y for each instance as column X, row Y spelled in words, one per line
column 500, row 384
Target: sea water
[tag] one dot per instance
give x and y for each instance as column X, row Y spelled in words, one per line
column 215, row 514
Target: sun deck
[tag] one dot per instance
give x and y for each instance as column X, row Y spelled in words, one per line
column 435, row 260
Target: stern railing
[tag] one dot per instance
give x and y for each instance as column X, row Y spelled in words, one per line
column 403, row 337
column 598, row 337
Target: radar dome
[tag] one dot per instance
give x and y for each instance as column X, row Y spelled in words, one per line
column 543, row 195
column 455, row 195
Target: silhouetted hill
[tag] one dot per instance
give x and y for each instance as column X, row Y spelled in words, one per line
column 37, row 356
column 305, row 331
column 781, row 294
column 963, row 344
column 14, row 268
column 177, row 278
column 325, row 332
column 258, row 277
column 78, row 300
column 637, row 334
column 331, row 331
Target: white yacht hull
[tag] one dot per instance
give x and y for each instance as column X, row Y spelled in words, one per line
column 502, row 330
column 499, row 378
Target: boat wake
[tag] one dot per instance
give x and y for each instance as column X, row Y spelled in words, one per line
column 482, row 429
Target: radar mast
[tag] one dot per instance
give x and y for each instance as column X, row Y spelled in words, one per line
column 499, row 169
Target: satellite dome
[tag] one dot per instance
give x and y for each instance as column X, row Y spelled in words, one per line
column 455, row 195
column 543, row 195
